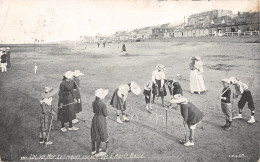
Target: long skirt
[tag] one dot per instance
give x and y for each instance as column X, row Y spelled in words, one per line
column 67, row 113
column 78, row 106
column 44, row 122
column 157, row 91
column 99, row 129
column 118, row 102
column 196, row 82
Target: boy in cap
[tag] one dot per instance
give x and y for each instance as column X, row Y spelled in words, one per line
column 191, row 115
column 226, row 103
column 246, row 97
column 46, row 116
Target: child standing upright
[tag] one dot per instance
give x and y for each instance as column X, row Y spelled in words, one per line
column 148, row 95
column 226, row 103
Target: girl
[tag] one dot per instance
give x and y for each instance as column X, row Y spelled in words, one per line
column 99, row 126
column 118, row 100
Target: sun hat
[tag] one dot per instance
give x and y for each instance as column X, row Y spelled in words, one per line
column 69, row 74
column 77, row 73
column 135, row 88
column 198, row 58
column 225, row 80
column 160, row 66
column 101, row 93
column 178, row 98
column 233, row 80
column 49, row 91
column 7, row 48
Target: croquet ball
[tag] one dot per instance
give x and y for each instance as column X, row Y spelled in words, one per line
column 202, row 128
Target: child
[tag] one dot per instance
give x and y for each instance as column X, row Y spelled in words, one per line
column 246, row 97
column 226, row 104
column 174, row 87
column 99, row 126
column 3, row 61
column 119, row 97
column 46, row 116
column 147, row 94
column 191, row 115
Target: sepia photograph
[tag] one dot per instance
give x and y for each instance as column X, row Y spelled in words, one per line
column 129, row 80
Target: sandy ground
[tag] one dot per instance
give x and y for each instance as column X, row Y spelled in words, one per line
column 107, row 67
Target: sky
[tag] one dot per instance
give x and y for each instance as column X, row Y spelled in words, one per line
column 58, row 20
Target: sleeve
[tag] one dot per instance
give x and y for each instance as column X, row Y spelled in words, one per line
column 184, row 111
column 61, row 94
column 104, row 110
column 72, row 92
column 228, row 93
column 93, row 107
column 153, row 77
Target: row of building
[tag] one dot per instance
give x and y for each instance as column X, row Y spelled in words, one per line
column 210, row 23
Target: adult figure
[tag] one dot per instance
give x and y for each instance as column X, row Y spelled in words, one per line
column 66, row 102
column 123, row 48
column 158, row 77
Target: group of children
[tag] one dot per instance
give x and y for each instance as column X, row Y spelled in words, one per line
column 226, row 105
column 5, row 58
column 70, row 103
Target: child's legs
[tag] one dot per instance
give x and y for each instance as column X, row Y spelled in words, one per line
column 192, row 130
column 250, row 101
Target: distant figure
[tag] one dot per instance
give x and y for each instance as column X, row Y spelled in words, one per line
column 35, row 68
column 3, row 61
column 98, row 44
column 8, row 52
column 123, row 48
column 104, row 44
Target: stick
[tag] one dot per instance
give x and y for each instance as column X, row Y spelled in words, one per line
column 67, row 104
column 49, row 130
column 166, row 117
column 185, row 132
column 225, row 91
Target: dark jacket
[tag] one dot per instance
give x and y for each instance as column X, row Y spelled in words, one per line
column 190, row 113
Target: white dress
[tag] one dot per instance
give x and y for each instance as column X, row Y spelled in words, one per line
column 196, row 78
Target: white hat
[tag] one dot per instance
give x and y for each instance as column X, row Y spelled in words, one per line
column 178, row 98
column 101, row 93
column 135, row 88
column 7, row 48
column 69, row 74
column 77, row 73
column 198, row 58
column 49, row 91
column 233, row 80
column 160, row 66
column 226, row 80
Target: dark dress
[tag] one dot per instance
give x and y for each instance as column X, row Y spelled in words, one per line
column 99, row 125
column 123, row 48
column 191, row 114
column 45, row 117
column 78, row 106
column 117, row 102
column 157, row 90
column 66, row 96
column 8, row 59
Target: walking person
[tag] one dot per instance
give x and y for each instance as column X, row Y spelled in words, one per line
column 246, row 97
column 8, row 53
column 66, row 102
column 191, row 116
column 226, row 103
column 158, row 77
column 46, row 116
column 3, row 61
column 148, row 95
column 99, row 126
column 123, row 48
column 119, row 97
column 78, row 105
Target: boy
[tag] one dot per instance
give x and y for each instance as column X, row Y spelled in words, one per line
column 147, row 94
column 226, row 104
column 246, row 97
